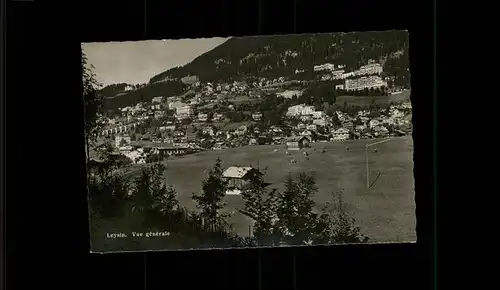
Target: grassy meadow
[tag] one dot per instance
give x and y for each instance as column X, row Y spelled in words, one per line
column 385, row 211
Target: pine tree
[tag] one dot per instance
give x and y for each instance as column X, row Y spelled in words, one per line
column 306, row 185
column 92, row 102
column 296, row 218
column 260, row 206
column 163, row 195
column 141, row 194
column 286, row 212
column 211, row 200
column 335, row 225
column 107, row 191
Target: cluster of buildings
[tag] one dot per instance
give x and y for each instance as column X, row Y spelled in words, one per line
column 263, row 82
column 182, row 110
column 395, row 120
column 367, row 76
column 210, row 88
column 364, row 83
column 327, row 67
column 310, row 125
column 300, row 111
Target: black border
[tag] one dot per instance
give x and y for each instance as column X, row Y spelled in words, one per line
column 48, row 215
column 3, row 22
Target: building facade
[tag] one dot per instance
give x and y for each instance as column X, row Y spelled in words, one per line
column 184, row 112
column 341, row 134
column 364, row 83
column 122, row 140
column 325, row 66
column 239, row 177
column 299, row 110
column 202, row 117
column 257, row 116
column 373, row 68
column 297, row 143
column 157, row 100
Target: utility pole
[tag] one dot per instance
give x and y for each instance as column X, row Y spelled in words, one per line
column 367, row 167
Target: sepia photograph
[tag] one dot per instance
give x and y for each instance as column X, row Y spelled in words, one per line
column 255, row 141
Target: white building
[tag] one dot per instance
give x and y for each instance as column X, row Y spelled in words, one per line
column 242, row 130
column 388, row 121
column 374, row 68
column 364, row 83
column 208, row 130
column 360, row 128
column 176, row 104
column 318, row 114
column 380, row 131
column 338, row 74
column 159, row 114
column 301, row 126
column 349, row 74
column 167, row 128
column 184, row 112
column 202, row 117
column 299, row 110
column 157, row 100
column 319, row 122
column 257, row 116
column 172, row 99
column 326, row 66
column 406, row 105
column 340, row 134
column 363, row 113
column 374, row 123
column 306, row 118
column 312, row 127
column 122, row 140
column 218, row 116
column 348, row 125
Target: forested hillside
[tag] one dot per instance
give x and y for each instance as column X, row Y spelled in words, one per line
column 276, row 56
column 116, row 96
column 271, row 57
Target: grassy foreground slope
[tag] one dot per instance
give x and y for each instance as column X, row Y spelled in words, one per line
column 385, row 211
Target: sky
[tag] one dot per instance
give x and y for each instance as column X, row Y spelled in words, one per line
column 136, row 62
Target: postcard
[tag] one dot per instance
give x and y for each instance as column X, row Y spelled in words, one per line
column 257, row 141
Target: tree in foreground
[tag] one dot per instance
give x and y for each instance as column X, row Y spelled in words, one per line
column 92, row 101
column 107, row 189
column 296, row 218
column 335, row 225
column 260, row 205
column 211, row 198
column 290, row 218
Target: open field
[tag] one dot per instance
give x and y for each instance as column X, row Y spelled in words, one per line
column 381, row 100
column 385, row 212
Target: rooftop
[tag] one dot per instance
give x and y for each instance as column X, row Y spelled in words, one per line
column 296, row 138
column 236, row 172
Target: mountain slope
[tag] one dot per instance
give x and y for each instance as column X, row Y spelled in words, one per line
column 121, row 95
column 275, row 56
column 271, row 57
